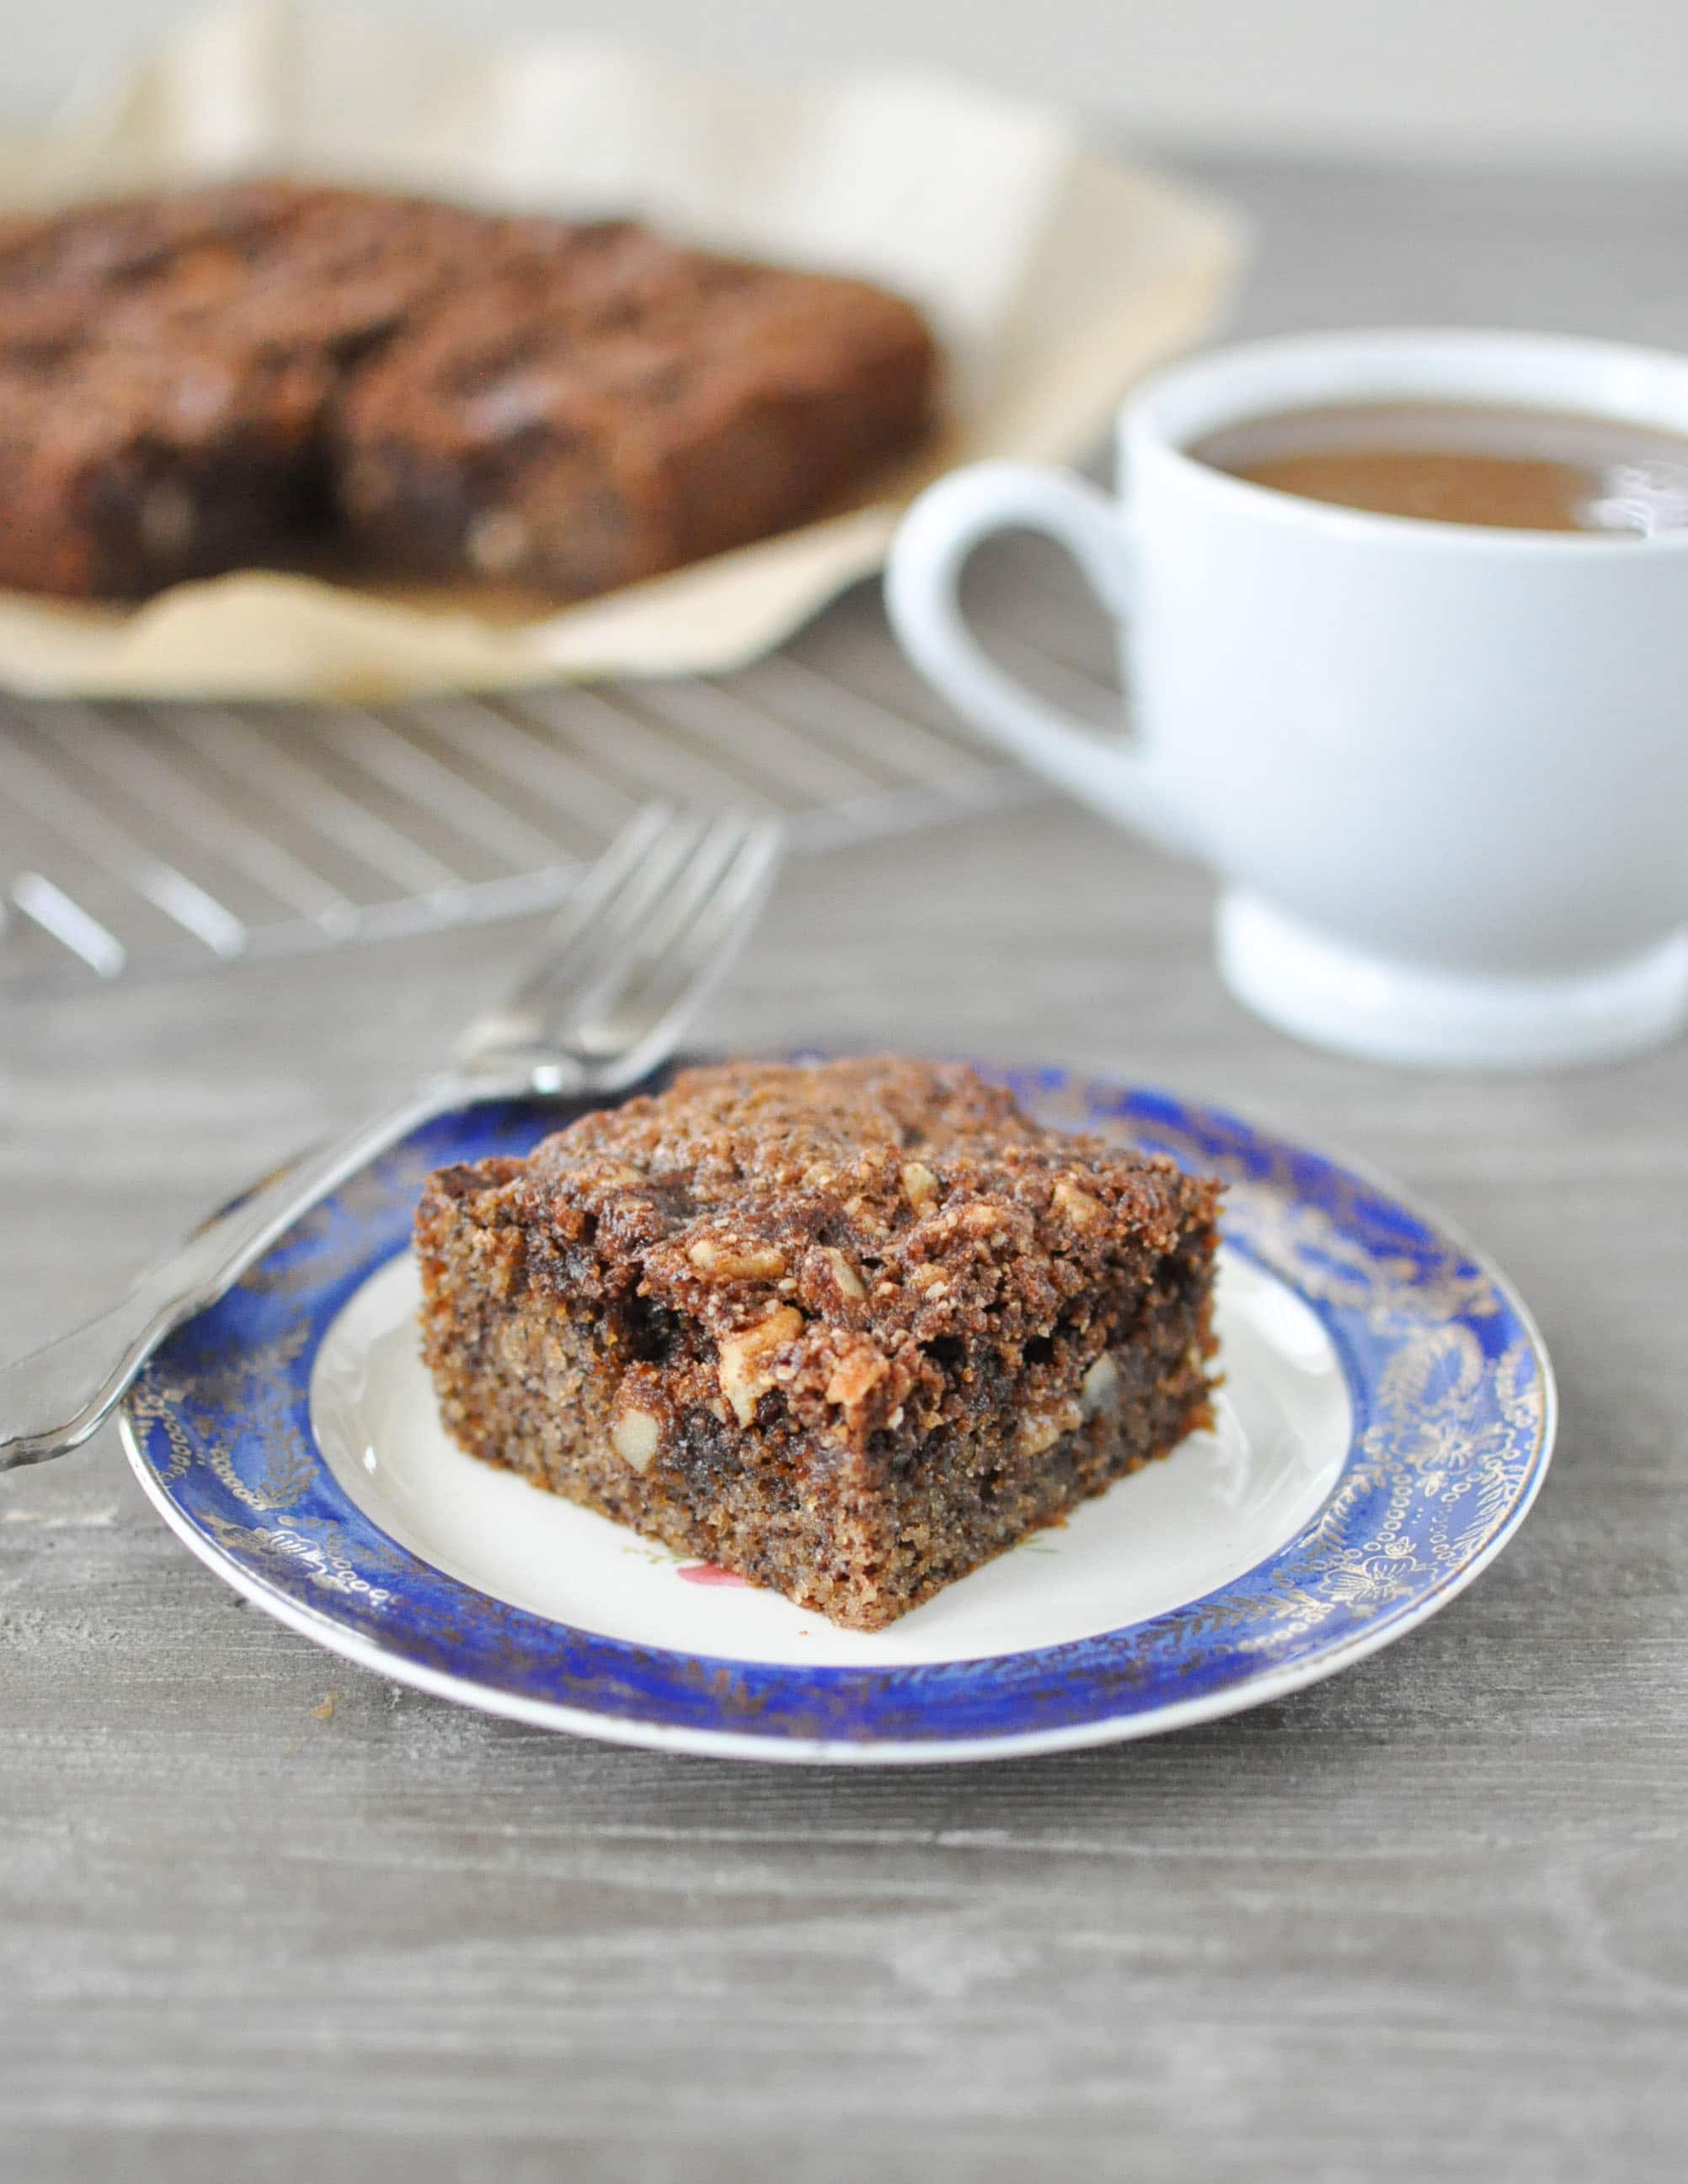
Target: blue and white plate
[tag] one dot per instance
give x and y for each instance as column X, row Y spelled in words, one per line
column 1386, row 1418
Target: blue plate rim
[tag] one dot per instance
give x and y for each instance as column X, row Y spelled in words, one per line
column 726, row 1736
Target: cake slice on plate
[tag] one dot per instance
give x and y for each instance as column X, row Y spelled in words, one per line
column 849, row 1330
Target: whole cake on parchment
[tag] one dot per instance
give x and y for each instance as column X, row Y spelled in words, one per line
column 849, row 1330
column 191, row 382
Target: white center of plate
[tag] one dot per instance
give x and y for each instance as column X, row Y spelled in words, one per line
column 1219, row 1504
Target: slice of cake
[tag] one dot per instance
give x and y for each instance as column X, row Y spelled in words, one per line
column 848, row 1330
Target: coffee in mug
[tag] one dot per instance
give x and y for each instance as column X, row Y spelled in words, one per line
column 1466, row 462
column 1439, row 767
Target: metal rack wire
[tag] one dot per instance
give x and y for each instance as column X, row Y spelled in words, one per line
column 148, row 839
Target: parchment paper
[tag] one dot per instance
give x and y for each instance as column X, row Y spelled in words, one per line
column 1052, row 277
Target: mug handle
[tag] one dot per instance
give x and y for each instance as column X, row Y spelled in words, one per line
column 921, row 596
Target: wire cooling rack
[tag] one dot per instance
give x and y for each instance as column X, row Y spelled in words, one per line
column 152, row 838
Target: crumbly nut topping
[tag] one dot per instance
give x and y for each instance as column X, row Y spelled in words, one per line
column 846, row 1233
column 725, row 1261
column 850, row 1285
column 860, row 1370
column 920, row 1185
column 747, row 1359
column 1075, row 1203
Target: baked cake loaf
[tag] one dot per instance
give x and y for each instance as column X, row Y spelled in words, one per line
column 573, row 405
column 849, row 1330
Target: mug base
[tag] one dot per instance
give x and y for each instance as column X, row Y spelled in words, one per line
column 1337, row 996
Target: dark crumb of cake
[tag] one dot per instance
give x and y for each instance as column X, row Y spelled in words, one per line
column 571, row 405
column 849, row 1330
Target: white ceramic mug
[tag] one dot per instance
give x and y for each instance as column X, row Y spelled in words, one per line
column 1441, row 770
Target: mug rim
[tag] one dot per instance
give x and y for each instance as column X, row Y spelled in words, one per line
column 1378, row 364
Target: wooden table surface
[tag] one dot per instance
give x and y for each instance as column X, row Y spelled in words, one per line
column 1431, row 1919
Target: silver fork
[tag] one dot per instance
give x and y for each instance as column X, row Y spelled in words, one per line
column 654, row 924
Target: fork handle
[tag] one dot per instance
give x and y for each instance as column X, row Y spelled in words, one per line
column 52, row 1400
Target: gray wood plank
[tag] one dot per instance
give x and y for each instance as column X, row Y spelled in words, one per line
column 1427, row 1920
